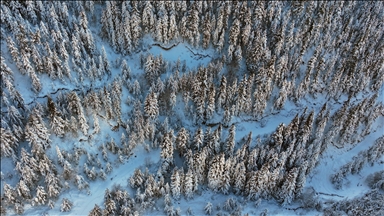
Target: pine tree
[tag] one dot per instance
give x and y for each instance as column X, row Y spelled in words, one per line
column 279, row 103
column 182, row 141
column 152, row 69
column 135, row 26
column 173, row 84
column 58, row 124
column 76, row 50
column 23, row 190
column 211, row 102
column 239, row 178
column 36, row 133
column 36, row 84
column 206, row 31
column 200, row 165
column 8, row 143
column 135, row 88
column 277, row 139
column 66, row 205
column 221, row 99
column 151, row 106
column 96, row 211
column 260, row 103
column 167, row 150
column 189, row 184
column 96, row 125
column 172, row 100
column 137, row 179
column 14, row 51
column 288, row 187
column 173, row 32
column 106, row 100
column 41, row 196
column 26, row 66
column 77, row 109
column 198, row 139
column 225, row 180
column 234, row 32
column 193, row 33
column 125, row 71
column 208, row 208
column 116, row 98
column 124, row 34
column 93, row 101
column 53, row 185
column 301, row 179
column 9, row 193
column 176, row 184
column 256, row 185
column 230, row 142
column 227, row 118
column 107, row 24
column 105, row 63
column 216, row 171
column 148, row 18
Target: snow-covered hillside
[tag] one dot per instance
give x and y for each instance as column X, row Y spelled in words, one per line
column 192, row 108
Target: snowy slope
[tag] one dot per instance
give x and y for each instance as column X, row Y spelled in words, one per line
column 193, row 60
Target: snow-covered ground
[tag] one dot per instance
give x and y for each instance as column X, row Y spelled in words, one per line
column 143, row 157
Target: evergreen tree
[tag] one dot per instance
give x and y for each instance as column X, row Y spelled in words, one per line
column 76, row 50
column 239, row 178
column 206, row 31
column 135, row 26
column 9, row 143
column 211, row 102
column 58, row 124
column 221, row 99
column 282, row 95
column 198, row 139
column 96, row 211
column 36, row 133
column 288, row 187
column 105, row 62
column 167, row 150
column 53, row 185
column 176, row 184
column 66, row 205
column 125, row 71
column 225, row 181
column 208, row 208
column 227, row 116
column 106, row 100
column 116, row 98
column 230, row 142
column 148, row 18
column 216, row 171
column 41, row 196
column 151, row 106
column 182, row 140
column 96, row 125
column 77, row 109
column 189, row 184
column 23, row 190
column 301, row 179
column 10, row 194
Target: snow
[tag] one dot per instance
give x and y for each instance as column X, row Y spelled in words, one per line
column 84, row 201
column 334, row 159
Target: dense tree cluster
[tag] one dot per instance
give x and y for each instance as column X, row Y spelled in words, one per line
column 266, row 55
